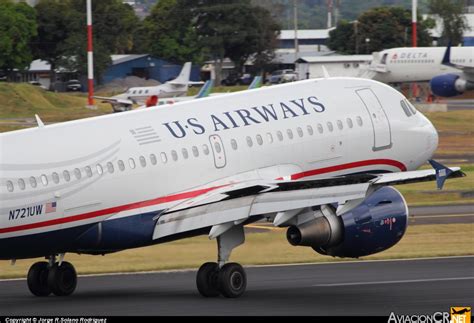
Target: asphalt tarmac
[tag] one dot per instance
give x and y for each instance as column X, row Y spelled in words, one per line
column 348, row 288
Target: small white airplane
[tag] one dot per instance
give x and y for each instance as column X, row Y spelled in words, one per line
column 450, row 70
column 317, row 156
column 138, row 95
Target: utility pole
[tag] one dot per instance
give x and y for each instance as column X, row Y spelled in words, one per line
column 90, row 56
column 295, row 20
column 413, row 23
column 329, row 3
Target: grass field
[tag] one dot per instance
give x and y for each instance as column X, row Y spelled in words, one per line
column 269, row 247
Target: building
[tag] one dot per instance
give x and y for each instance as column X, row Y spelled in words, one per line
column 336, row 65
column 309, row 40
column 144, row 66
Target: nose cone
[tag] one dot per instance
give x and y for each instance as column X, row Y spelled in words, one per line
column 432, row 138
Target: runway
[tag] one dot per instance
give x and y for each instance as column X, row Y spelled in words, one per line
column 349, row 288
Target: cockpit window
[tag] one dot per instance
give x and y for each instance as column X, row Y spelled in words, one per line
column 410, row 106
column 405, row 108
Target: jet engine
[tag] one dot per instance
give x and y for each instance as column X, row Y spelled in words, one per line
column 448, row 85
column 375, row 225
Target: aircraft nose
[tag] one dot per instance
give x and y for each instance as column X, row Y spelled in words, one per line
column 432, row 138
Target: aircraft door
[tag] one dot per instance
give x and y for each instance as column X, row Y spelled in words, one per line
column 380, row 122
column 218, row 151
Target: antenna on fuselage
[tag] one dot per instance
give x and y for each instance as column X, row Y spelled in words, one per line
column 39, row 122
column 325, row 72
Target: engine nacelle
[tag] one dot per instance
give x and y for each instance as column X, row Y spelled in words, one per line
column 448, row 85
column 375, row 225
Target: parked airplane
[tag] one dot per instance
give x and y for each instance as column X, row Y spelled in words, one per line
column 138, row 95
column 450, row 70
column 316, row 156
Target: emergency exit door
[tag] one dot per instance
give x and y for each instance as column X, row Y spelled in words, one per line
column 218, row 151
column 380, row 122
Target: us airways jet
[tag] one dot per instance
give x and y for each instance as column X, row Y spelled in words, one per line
column 450, row 70
column 316, row 156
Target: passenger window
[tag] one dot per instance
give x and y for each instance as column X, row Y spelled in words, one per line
column 195, row 151
column 289, row 133
column 99, row 169
column 10, row 186
column 142, row 161
column 359, row 121
column 300, row 131
column 110, row 167
column 233, row 143
column 67, row 176
column 217, row 147
column 184, row 151
column 205, row 149
column 131, row 163
column 349, row 123
column 174, row 155
column 320, row 128
column 77, row 173
column 259, row 140
column 270, row 138
column 21, row 184
column 405, row 108
column 310, row 130
column 280, row 135
column 44, row 180
column 340, row 125
column 249, row 142
column 88, row 172
column 164, row 158
column 121, row 165
column 153, row 159
column 330, row 126
column 33, row 182
column 55, row 177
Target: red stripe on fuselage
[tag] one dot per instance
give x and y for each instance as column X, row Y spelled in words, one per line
column 191, row 194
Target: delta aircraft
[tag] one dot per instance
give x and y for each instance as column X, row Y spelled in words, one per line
column 450, row 70
column 316, row 156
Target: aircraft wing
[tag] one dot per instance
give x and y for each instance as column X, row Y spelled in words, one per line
column 113, row 100
column 280, row 200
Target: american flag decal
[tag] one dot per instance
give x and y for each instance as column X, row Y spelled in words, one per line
column 145, row 135
column 50, row 207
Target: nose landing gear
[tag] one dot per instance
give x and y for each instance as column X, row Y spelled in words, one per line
column 59, row 278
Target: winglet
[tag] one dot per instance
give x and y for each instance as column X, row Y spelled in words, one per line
column 205, row 90
column 256, row 83
column 447, row 56
column 39, row 122
column 325, row 72
column 442, row 173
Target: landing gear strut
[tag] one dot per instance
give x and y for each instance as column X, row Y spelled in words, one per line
column 229, row 279
column 59, row 278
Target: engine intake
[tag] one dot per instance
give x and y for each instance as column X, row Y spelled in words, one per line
column 449, row 85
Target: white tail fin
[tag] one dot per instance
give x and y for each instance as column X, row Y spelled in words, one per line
column 183, row 77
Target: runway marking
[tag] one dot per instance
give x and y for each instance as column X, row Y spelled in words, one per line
column 441, row 216
column 395, row 282
column 184, row 270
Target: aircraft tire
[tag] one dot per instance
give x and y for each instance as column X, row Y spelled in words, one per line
column 38, row 279
column 232, row 280
column 62, row 279
column 206, row 279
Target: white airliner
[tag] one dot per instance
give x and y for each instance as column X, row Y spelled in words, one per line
column 450, row 70
column 138, row 95
column 316, row 156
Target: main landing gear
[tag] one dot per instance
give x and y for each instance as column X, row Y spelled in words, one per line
column 227, row 279
column 59, row 278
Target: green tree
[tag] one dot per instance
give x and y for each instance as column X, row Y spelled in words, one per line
column 53, row 19
column 17, row 28
column 114, row 25
column 451, row 14
column 168, row 32
column 378, row 29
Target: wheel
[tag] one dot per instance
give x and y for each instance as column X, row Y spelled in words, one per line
column 38, row 279
column 206, row 279
column 62, row 280
column 232, row 280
